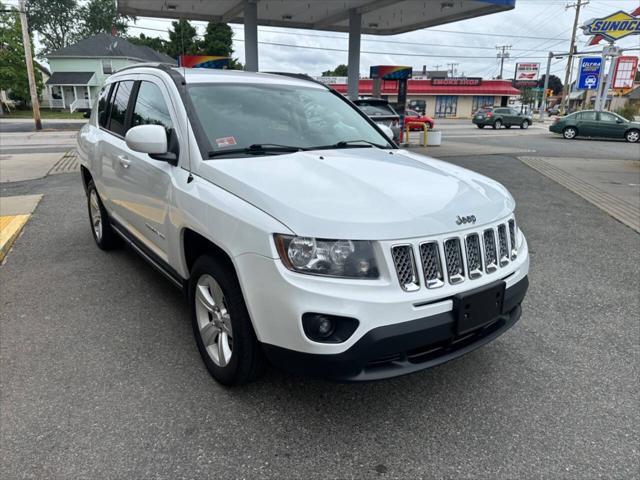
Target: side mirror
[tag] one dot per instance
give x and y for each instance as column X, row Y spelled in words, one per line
column 386, row 130
column 151, row 139
column 618, row 120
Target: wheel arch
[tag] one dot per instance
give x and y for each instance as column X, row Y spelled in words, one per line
column 86, row 177
column 632, row 129
column 195, row 245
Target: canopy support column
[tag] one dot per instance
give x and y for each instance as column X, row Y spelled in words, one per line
column 355, row 28
column 251, row 36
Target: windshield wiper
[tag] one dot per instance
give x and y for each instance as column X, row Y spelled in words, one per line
column 257, row 149
column 349, row 144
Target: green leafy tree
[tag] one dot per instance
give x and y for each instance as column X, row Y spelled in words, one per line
column 555, row 83
column 55, row 20
column 13, row 69
column 101, row 16
column 218, row 40
column 528, row 96
column 157, row 43
column 183, row 39
column 340, row 71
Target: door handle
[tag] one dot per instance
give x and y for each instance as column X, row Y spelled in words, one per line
column 124, row 161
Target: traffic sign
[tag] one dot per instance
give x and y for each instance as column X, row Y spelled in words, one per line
column 589, row 74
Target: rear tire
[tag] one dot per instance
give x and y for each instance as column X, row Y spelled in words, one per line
column 525, row 125
column 632, row 136
column 570, row 133
column 497, row 124
column 221, row 324
column 105, row 237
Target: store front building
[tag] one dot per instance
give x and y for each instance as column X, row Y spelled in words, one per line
column 442, row 97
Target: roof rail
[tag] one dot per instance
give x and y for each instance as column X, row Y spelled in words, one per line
column 161, row 65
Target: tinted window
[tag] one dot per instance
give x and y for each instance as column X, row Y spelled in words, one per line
column 119, row 107
column 587, row 116
column 373, row 109
column 150, row 108
column 608, row 117
column 103, row 104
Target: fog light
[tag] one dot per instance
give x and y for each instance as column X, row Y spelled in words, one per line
column 328, row 328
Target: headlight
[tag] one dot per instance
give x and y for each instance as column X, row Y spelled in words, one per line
column 335, row 258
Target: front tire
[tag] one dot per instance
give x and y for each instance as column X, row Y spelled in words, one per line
column 524, row 125
column 632, row 136
column 221, row 324
column 570, row 133
column 497, row 124
column 105, row 237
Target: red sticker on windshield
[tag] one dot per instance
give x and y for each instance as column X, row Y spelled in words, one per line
column 225, row 141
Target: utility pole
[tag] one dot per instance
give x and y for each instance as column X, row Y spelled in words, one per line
column 26, row 41
column 437, row 66
column 572, row 47
column 452, row 68
column 502, row 54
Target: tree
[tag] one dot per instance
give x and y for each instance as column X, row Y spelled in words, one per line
column 183, row 39
column 157, row 43
column 218, row 40
column 528, row 96
column 13, row 69
column 340, row 71
column 555, row 83
column 55, row 20
column 101, row 16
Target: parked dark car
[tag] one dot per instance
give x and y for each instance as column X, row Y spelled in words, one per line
column 379, row 110
column 497, row 117
column 590, row 123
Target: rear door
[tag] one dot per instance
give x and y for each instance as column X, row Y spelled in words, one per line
column 587, row 124
column 114, row 151
column 147, row 186
column 611, row 126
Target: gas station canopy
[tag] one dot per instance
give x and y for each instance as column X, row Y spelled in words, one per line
column 373, row 17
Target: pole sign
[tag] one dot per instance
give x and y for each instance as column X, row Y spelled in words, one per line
column 526, row 75
column 589, row 74
column 613, row 27
column 625, row 73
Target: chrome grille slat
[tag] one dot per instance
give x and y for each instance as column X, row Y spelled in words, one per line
column 512, row 239
column 474, row 255
column 503, row 245
column 453, row 260
column 405, row 267
column 431, row 265
column 490, row 253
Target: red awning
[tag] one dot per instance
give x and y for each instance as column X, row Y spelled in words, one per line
column 424, row 87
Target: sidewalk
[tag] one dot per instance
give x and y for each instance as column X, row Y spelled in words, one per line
column 14, row 214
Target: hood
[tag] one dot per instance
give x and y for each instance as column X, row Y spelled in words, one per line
column 361, row 193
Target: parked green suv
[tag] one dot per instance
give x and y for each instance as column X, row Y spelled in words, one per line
column 590, row 123
column 497, row 117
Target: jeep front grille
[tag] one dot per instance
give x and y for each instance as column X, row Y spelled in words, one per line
column 474, row 256
column 453, row 258
column 431, row 265
column 503, row 245
column 405, row 267
column 456, row 259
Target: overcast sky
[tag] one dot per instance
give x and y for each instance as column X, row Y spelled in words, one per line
column 531, row 18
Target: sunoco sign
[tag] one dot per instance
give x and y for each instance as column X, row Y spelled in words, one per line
column 614, row 27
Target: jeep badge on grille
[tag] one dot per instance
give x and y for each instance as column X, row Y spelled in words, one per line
column 468, row 219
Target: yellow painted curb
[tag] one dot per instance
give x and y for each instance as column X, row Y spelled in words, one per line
column 10, row 228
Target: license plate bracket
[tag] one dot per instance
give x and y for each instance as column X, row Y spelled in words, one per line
column 476, row 308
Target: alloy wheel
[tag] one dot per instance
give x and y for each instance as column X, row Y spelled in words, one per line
column 633, row 136
column 96, row 215
column 570, row 133
column 214, row 320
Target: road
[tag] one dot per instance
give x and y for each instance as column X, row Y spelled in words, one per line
column 100, row 376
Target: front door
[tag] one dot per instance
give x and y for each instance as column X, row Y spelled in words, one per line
column 611, row 125
column 147, row 193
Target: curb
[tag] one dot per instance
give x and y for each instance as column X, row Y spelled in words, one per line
column 10, row 228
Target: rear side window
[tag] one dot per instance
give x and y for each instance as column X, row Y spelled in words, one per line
column 587, row 116
column 103, row 105
column 117, row 122
column 150, row 108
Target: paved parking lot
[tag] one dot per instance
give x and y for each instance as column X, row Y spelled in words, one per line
column 101, row 378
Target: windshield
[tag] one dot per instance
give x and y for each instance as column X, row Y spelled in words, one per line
column 238, row 116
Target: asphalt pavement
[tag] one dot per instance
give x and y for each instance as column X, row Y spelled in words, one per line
column 101, row 378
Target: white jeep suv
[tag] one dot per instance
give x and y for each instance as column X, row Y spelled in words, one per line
column 301, row 234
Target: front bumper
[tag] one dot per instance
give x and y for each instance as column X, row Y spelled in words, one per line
column 402, row 348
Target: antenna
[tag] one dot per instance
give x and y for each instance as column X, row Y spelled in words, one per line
column 184, row 86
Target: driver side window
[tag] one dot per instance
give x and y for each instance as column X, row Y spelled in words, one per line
column 608, row 117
